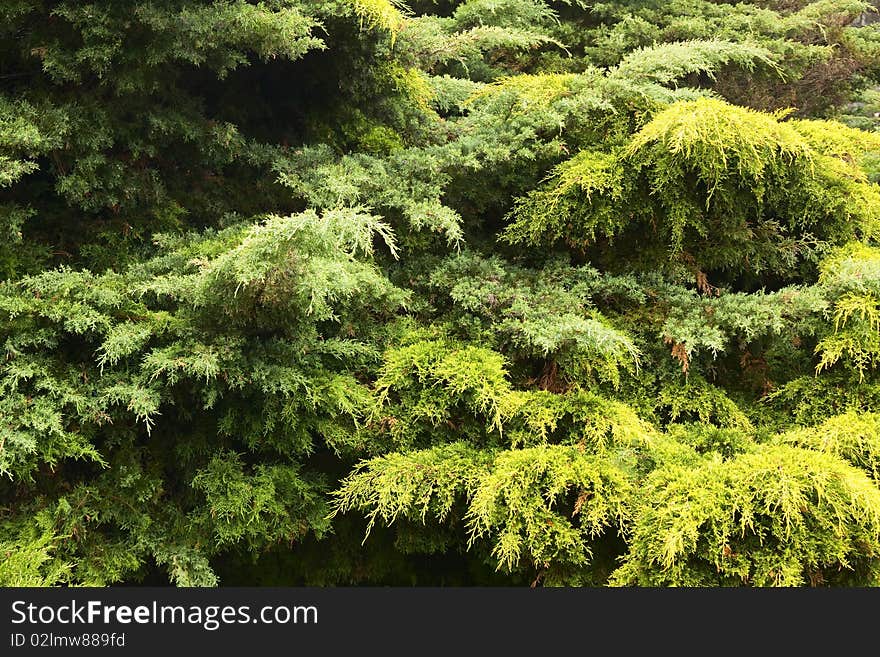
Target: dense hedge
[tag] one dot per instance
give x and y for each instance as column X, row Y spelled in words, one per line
column 482, row 292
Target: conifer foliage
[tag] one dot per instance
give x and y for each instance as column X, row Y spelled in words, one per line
column 440, row 292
